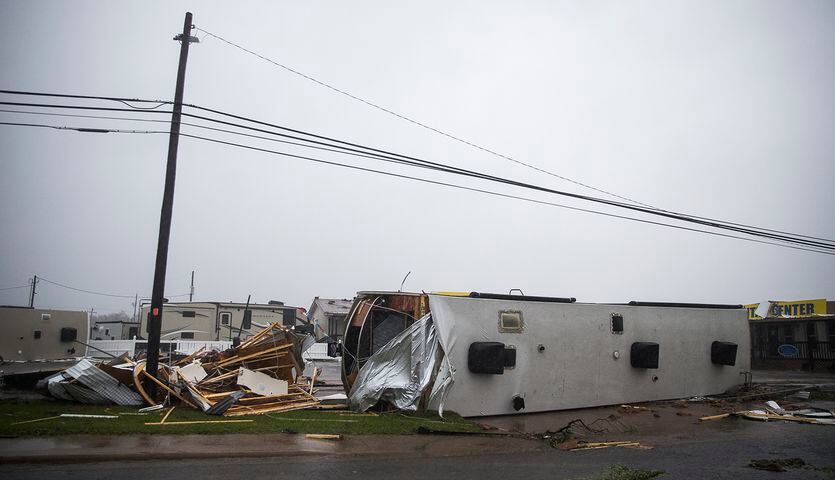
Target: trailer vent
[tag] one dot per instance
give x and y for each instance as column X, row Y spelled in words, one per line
column 617, row 323
column 68, row 334
column 490, row 357
column 510, row 321
column 644, row 355
column 723, row 353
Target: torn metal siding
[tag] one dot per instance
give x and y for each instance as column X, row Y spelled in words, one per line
column 108, row 387
column 399, row 371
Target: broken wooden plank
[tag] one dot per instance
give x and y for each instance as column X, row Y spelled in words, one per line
column 323, row 436
column 36, row 420
column 198, row 422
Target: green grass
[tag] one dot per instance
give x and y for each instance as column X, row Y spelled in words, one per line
column 299, row 421
column 620, row 472
column 820, row 395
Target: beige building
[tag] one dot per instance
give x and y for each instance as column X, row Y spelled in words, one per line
column 41, row 334
column 213, row 321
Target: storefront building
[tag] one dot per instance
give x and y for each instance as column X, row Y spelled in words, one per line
column 795, row 335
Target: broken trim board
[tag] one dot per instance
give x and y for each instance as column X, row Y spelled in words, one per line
column 261, row 383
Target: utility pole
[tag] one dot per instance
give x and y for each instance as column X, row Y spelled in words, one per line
column 32, row 292
column 155, row 318
column 135, row 303
column 191, row 292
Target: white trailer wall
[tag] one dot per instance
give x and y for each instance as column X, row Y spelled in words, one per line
column 583, row 363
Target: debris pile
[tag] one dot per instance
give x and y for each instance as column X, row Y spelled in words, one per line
column 773, row 411
column 261, row 375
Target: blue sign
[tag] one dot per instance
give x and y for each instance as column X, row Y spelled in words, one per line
column 787, row 350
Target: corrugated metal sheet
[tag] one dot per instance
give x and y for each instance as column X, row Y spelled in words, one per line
column 84, row 394
column 108, row 387
column 55, row 385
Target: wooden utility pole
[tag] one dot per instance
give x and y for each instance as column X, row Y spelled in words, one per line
column 32, row 292
column 191, row 291
column 155, row 318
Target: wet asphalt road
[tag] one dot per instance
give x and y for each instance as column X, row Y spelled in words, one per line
column 721, row 456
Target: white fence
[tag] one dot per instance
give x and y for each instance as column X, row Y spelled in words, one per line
column 108, row 348
column 114, row 348
column 318, row 351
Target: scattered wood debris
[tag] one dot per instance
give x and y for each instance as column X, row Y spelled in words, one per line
column 261, row 375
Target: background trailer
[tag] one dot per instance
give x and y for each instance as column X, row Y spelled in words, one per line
column 42, row 334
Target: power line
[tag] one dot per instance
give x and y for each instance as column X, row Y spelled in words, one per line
column 91, row 292
column 415, row 122
column 756, row 231
column 79, row 129
column 103, row 294
column 95, row 117
column 589, row 211
column 489, row 192
column 748, row 229
column 432, row 165
column 13, row 288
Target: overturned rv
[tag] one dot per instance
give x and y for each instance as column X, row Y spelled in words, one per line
column 489, row 354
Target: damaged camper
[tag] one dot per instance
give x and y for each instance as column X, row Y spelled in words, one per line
column 490, row 354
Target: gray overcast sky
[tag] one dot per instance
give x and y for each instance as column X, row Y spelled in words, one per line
column 718, row 108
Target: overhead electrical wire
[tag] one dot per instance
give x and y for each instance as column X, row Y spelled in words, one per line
column 14, row 288
column 80, row 129
column 344, row 143
column 427, row 164
column 102, row 294
column 457, row 186
column 369, row 152
column 489, row 192
column 415, row 122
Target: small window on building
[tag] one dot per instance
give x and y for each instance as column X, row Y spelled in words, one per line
column 617, row 323
column 225, row 318
column 37, row 334
column 189, row 314
column 185, row 335
column 45, row 317
column 510, row 321
column 106, row 331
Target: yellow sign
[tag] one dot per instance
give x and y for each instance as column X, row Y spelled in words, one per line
column 797, row 308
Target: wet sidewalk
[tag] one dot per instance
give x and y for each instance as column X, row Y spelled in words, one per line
column 95, row 448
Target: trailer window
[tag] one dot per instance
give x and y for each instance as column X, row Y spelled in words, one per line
column 185, row 335
column 189, row 314
column 37, row 334
column 225, row 318
column 617, row 323
column 510, row 321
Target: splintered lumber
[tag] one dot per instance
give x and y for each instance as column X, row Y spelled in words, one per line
column 714, row 417
column 36, row 420
column 166, row 415
column 262, row 409
column 166, row 388
column 323, row 436
column 198, row 422
column 140, row 367
column 190, row 357
column 253, row 355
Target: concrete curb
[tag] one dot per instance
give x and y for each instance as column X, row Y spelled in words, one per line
column 99, row 448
